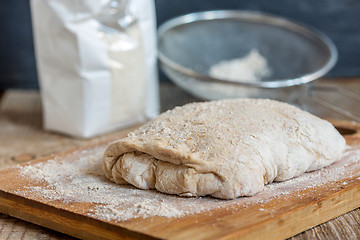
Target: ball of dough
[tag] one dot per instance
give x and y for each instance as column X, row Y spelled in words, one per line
column 225, row 149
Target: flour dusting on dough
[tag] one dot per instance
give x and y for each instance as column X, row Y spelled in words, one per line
column 225, row 149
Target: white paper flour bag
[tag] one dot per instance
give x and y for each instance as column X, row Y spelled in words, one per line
column 96, row 63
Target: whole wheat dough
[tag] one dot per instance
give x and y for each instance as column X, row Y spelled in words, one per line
column 225, row 149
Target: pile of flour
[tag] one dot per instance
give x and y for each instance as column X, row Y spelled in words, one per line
column 251, row 68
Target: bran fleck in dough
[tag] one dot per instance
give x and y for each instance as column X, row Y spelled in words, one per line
column 226, row 148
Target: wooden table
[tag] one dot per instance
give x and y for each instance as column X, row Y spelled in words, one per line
column 22, row 139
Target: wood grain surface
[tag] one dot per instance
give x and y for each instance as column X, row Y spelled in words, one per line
column 281, row 215
column 22, row 139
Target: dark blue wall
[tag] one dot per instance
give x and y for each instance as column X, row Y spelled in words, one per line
column 17, row 62
column 339, row 19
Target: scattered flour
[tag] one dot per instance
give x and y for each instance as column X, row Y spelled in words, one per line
column 78, row 178
column 251, row 68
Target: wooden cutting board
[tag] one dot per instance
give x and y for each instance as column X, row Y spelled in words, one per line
column 282, row 210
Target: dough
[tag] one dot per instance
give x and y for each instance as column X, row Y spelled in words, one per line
column 225, row 149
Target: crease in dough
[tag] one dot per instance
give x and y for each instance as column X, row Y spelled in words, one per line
column 226, row 148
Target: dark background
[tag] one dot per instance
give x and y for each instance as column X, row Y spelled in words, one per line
column 339, row 19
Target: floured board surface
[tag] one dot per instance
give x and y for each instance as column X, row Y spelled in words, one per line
column 68, row 193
